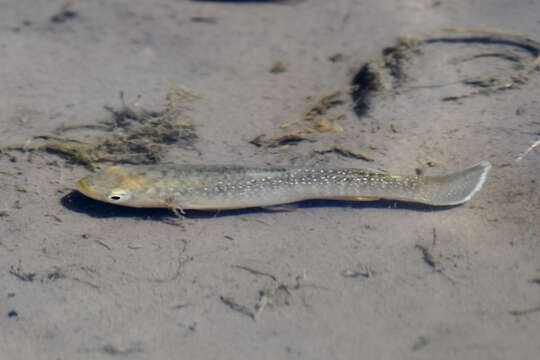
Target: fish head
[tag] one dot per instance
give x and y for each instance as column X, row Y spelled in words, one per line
column 120, row 185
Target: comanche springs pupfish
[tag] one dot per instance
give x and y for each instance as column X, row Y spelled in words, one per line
column 213, row 187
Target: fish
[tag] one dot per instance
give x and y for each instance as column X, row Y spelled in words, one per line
column 222, row 187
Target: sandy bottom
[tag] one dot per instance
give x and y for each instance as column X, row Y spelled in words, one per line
column 330, row 280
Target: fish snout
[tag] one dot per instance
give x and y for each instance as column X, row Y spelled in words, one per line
column 82, row 187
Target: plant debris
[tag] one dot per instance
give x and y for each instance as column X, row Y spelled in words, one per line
column 230, row 302
column 364, row 271
column 421, row 342
column 505, row 55
column 111, row 349
column 256, row 272
column 204, row 19
column 365, row 82
column 133, row 135
column 278, row 294
column 64, row 13
column 529, row 149
column 278, row 67
column 518, row 312
column 315, row 120
column 433, row 260
column 18, row 271
column 321, row 106
column 51, row 275
column 287, row 139
column 346, row 153
column 337, row 57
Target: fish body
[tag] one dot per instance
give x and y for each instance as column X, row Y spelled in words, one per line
column 205, row 187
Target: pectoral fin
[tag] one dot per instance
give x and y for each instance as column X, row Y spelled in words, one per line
column 355, row 198
column 281, row 208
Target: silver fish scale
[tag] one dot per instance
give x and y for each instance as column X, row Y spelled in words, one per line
column 282, row 184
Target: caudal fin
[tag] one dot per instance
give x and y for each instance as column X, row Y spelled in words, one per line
column 455, row 188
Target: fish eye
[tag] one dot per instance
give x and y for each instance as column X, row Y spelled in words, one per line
column 118, row 195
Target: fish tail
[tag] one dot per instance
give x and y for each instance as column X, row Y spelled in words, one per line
column 455, row 188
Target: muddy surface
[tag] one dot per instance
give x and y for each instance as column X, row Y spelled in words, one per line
column 303, row 83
